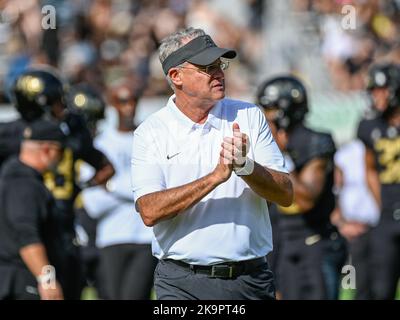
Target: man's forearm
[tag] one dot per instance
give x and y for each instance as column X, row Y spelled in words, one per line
column 304, row 194
column 372, row 176
column 374, row 186
column 309, row 183
column 166, row 204
column 271, row 185
column 102, row 175
column 35, row 257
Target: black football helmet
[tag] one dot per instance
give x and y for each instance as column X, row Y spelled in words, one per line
column 85, row 100
column 386, row 75
column 36, row 91
column 393, row 103
column 288, row 96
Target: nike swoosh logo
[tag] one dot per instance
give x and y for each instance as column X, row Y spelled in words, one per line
column 170, row 157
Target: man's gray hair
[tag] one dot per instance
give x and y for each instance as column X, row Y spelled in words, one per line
column 175, row 41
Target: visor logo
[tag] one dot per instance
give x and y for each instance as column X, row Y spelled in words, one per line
column 209, row 42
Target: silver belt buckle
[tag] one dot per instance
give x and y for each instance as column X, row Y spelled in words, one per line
column 214, row 271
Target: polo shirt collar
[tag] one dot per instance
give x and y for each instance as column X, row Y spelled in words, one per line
column 214, row 116
column 177, row 115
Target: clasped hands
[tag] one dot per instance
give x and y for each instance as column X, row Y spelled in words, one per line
column 234, row 149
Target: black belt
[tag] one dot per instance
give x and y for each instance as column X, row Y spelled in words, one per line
column 223, row 270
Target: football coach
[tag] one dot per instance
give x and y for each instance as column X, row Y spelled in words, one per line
column 202, row 169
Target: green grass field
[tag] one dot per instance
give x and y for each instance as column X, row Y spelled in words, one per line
column 349, row 294
column 90, row 293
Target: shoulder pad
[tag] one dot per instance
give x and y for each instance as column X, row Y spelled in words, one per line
column 313, row 145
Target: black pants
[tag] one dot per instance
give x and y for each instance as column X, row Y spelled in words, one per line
column 70, row 273
column 173, row 282
column 360, row 255
column 90, row 254
column 385, row 258
column 127, row 271
column 17, row 283
column 274, row 254
column 309, row 266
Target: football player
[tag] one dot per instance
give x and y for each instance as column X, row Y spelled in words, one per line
column 311, row 251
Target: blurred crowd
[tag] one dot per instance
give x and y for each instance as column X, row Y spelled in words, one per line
column 349, row 53
column 101, row 40
column 350, row 38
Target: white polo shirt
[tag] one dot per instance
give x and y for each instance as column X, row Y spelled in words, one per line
column 231, row 223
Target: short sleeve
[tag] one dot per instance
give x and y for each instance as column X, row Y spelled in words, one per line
column 146, row 171
column 90, row 154
column 266, row 151
column 25, row 216
column 363, row 133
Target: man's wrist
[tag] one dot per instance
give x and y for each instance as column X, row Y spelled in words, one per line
column 247, row 169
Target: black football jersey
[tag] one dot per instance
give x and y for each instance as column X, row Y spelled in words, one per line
column 305, row 145
column 384, row 141
column 62, row 182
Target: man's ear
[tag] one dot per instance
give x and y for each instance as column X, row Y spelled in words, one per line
column 175, row 76
column 45, row 148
